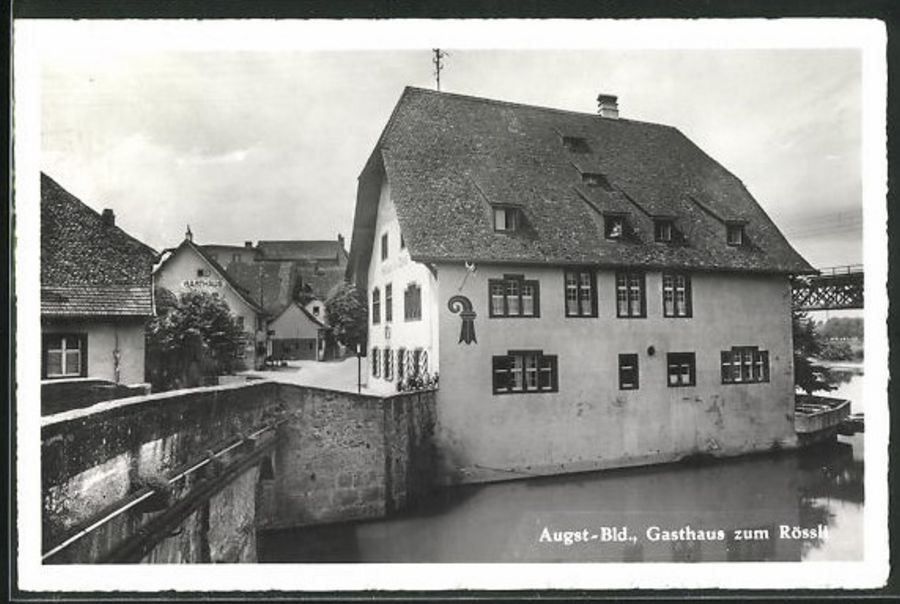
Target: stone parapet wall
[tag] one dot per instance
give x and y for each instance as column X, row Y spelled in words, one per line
column 339, row 456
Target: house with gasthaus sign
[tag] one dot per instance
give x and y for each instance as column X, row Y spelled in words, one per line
column 189, row 267
column 594, row 291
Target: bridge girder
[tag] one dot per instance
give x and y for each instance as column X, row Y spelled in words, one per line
column 835, row 291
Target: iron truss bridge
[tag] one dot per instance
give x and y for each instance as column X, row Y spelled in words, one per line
column 834, row 288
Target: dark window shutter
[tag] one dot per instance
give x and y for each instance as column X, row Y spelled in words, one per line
column 643, row 295
column 500, row 373
column 726, row 366
column 688, row 296
column 83, row 341
column 554, row 373
column 537, row 298
column 45, row 343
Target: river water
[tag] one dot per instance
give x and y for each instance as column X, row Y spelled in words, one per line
column 791, row 506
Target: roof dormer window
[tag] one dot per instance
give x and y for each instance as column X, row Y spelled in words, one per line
column 663, row 230
column 614, row 226
column 595, row 179
column 506, row 219
column 576, row 144
column 734, row 233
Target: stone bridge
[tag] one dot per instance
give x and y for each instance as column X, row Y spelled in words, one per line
column 191, row 475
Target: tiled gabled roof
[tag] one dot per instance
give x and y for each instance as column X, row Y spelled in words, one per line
column 449, row 158
column 89, row 268
column 302, row 250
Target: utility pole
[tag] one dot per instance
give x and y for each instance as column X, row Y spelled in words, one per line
column 438, row 65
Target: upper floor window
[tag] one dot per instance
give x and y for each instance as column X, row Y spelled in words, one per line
column 412, row 302
column 681, row 369
column 65, row 355
column 745, row 364
column 594, row 179
column 581, row 293
column 388, row 303
column 614, row 226
column 203, row 272
column 735, row 233
column 235, row 257
column 506, row 219
column 630, row 298
column 240, row 323
column 663, row 230
column 376, row 306
column 514, row 296
column 676, row 295
column 628, row 372
column 384, row 246
column 525, row 371
column 576, row 144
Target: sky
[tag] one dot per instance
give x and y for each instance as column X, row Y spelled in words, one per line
column 250, row 145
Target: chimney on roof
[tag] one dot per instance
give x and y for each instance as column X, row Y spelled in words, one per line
column 188, row 234
column 608, row 105
column 248, row 244
column 341, row 240
column 108, row 217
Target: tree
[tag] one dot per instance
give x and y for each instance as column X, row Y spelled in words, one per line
column 807, row 345
column 348, row 315
column 190, row 339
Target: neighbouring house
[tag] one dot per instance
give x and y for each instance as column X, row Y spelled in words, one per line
column 96, row 292
column 278, row 273
column 593, row 291
column 189, row 267
column 297, row 334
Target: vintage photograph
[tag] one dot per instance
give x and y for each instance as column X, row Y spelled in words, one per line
column 418, row 302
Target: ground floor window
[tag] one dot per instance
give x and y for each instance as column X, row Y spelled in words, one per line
column 376, row 363
column 628, row 372
column 525, row 371
column 745, row 364
column 681, row 369
column 388, row 365
column 65, row 355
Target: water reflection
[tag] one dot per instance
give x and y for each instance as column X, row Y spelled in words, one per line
column 741, row 507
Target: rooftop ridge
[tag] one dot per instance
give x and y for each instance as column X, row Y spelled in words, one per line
column 491, row 101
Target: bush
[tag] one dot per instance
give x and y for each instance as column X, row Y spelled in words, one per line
column 190, row 340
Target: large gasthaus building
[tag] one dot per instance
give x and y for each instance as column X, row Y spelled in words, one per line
column 593, row 291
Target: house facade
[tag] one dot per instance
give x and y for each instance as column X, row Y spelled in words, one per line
column 96, row 292
column 594, row 291
column 190, row 268
column 297, row 334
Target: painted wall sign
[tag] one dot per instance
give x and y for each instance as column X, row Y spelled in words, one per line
column 190, row 283
column 463, row 306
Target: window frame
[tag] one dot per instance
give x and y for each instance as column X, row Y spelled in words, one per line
column 658, row 224
column 759, row 368
column 376, row 362
column 608, row 221
column 678, row 359
column 735, row 227
column 578, row 272
column 508, row 211
column 688, row 295
column 388, row 302
column 376, row 306
column 521, row 282
column 635, row 368
column 627, row 276
column 543, row 363
column 408, row 307
column 80, row 338
column 384, row 246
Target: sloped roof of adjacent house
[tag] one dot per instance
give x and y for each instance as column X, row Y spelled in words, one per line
column 302, row 250
column 270, row 283
column 89, row 267
column 450, row 159
column 318, row 322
